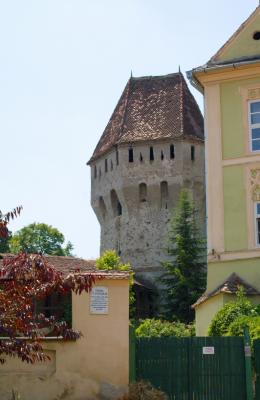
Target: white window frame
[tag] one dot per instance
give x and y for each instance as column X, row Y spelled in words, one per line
column 257, row 216
column 252, row 126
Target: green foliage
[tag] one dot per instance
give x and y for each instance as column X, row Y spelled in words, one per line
column 40, row 238
column 229, row 313
column 236, row 328
column 110, row 261
column 159, row 328
column 185, row 279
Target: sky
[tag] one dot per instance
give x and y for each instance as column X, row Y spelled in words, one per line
column 63, row 67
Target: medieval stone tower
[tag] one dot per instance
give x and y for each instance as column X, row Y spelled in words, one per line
column 152, row 146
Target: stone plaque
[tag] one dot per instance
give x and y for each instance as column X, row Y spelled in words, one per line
column 99, row 300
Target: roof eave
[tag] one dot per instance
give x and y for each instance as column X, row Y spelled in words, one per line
column 191, row 75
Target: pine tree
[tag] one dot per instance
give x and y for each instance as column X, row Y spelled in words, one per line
column 185, row 278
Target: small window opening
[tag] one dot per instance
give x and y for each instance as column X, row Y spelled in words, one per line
column 111, row 165
column 119, row 208
column 141, row 157
column 99, row 173
column 256, row 35
column 172, row 152
column 162, row 155
column 130, row 155
column 164, row 194
column 142, row 192
column 116, row 205
column 192, row 153
column 95, row 172
column 105, row 165
column 102, row 207
column 151, row 154
column 117, row 158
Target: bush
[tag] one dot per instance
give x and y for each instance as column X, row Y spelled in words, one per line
column 144, row 391
column 237, row 327
column 230, row 312
column 159, row 328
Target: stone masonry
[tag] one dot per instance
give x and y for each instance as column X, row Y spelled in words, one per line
column 152, row 147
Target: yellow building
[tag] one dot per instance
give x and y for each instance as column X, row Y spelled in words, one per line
column 93, row 367
column 230, row 82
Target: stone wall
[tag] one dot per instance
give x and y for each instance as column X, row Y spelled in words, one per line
column 134, row 190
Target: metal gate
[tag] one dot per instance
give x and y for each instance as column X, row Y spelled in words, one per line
column 193, row 368
column 257, row 368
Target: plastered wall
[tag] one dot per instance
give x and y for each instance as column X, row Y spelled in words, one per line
column 93, row 367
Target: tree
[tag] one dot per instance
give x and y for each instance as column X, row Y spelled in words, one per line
column 5, row 234
column 110, row 261
column 40, row 238
column 230, row 312
column 25, row 279
column 185, row 276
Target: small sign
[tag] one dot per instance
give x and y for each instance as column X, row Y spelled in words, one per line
column 99, row 300
column 208, row 350
column 247, row 351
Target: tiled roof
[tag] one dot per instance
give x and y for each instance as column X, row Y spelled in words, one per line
column 230, row 286
column 68, row 265
column 152, row 108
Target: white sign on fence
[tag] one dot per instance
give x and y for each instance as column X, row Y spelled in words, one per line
column 99, row 300
column 208, row 350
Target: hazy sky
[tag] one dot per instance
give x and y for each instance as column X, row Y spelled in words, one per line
column 64, row 64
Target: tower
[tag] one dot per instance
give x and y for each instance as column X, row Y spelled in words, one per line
column 152, row 146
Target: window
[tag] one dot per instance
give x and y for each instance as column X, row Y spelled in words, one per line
column 257, row 223
column 117, row 158
column 172, row 152
column 142, row 192
column 162, row 155
column 116, row 205
column 58, row 305
column 151, row 154
column 95, row 171
column 192, row 153
column 105, row 165
column 254, row 124
column 102, row 207
column 164, row 194
column 130, row 155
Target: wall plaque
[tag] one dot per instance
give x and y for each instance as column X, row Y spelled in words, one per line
column 208, row 350
column 99, row 300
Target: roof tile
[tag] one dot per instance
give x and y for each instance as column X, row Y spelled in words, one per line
column 152, row 108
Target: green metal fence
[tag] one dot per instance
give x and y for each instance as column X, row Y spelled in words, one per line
column 257, row 368
column 193, row 368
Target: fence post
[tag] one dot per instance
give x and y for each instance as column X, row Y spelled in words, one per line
column 132, row 366
column 248, row 365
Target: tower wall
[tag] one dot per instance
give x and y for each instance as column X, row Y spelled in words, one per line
column 133, row 197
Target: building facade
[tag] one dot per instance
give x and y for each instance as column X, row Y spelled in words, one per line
column 230, row 82
column 152, row 146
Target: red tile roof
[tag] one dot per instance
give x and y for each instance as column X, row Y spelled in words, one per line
column 68, row 265
column 152, row 108
column 230, row 286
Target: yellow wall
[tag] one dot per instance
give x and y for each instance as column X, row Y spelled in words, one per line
column 243, row 45
column 96, row 363
column 246, row 269
column 235, row 208
column 205, row 313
